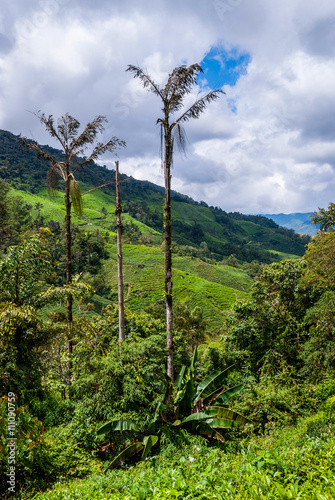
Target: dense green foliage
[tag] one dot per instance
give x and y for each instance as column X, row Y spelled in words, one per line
column 294, row 463
column 188, row 403
column 278, row 331
column 288, row 320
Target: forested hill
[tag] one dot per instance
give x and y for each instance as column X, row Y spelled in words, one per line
column 195, row 225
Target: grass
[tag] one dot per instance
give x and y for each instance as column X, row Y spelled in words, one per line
column 93, row 218
column 213, row 287
column 291, row 463
column 284, row 255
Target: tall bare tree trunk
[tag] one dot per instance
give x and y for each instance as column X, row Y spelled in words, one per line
column 68, row 271
column 118, row 212
column 168, row 251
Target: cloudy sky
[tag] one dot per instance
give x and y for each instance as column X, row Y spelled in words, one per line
column 267, row 146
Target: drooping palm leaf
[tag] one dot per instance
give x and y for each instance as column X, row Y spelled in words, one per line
column 147, row 82
column 59, row 294
column 118, row 425
column 52, row 180
column 149, row 442
column 127, row 453
column 76, row 197
column 179, row 135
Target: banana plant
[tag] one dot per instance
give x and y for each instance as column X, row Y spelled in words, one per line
column 202, row 403
column 203, row 406
column 124, row 425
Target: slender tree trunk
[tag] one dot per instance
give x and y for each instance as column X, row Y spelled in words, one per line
column 118, row 212
column 68, row 270
column 168, row 250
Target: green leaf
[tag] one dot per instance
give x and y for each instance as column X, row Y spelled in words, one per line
column 118, row 425
column 180, row 377
column 194, row 359
column 200, row 415
column 225, row 413
column 205, row 429
column 222, row 423
column 186, row 396
column 149, row 442
column 128, row 452
column 228, row 394
column 212, row 384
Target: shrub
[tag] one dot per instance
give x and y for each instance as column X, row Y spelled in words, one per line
column 29, row 454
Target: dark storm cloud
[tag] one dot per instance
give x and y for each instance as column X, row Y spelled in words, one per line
column 5, row 44
column 319, row 123
column 320, row 39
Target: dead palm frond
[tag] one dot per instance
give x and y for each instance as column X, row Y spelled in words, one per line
column 76, row 197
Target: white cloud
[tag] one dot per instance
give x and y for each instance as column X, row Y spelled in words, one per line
column 275, row 153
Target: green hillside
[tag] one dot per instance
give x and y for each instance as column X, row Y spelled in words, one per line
column 247, row 237
column 205, row 238
column 214, row 287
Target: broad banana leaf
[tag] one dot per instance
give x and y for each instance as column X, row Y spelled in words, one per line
column 228, row 394
column 212, row 384
column 187, row 377
column 225, row 413
column 194, row 360
column 128, row 452
column 184, row 399
column 180, row 377
column 160, row 408
column 118, row 425
column 205, row 429
column 162, row 405
column 222, row 423
column 200, row 415
column 149, row 442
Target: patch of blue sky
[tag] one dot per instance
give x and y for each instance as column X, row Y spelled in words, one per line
column 222, row 67
column 232, row 105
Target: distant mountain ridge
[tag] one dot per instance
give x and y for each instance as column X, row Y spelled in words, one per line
column 299, row 222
